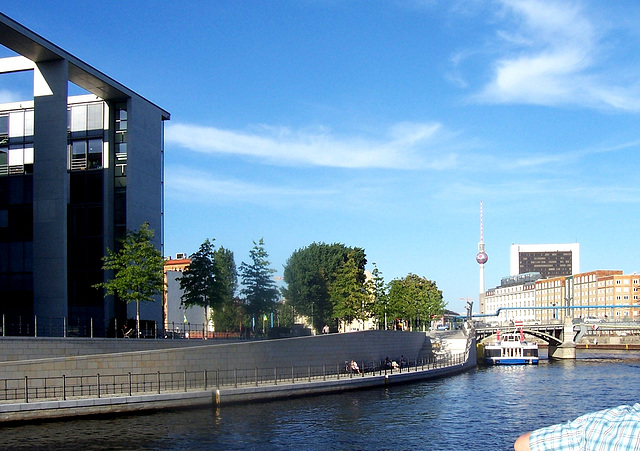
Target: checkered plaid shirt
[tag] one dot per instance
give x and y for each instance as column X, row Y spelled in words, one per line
column 616, row 429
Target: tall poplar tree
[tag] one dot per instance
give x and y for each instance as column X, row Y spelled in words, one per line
column 210, row 281
column 349, row 296
column 379, row 290
column 197, row 280
column 259, row 287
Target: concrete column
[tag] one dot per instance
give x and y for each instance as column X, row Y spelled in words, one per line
column 567, row 350
column 144, row 183
column 50, row 189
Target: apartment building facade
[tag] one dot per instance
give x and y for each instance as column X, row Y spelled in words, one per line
column 606, row 294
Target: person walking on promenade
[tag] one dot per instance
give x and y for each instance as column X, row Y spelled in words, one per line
column 617, row 428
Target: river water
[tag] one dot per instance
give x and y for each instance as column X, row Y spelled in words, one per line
column 483, row 409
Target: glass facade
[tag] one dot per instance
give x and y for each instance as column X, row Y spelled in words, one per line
column 86, row 136
column 85, row 216
column 87, row 159
column 16, row 212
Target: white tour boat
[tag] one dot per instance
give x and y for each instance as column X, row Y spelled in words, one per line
column 511, row 350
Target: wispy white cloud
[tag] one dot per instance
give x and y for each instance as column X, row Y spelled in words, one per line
column 544, row 190
column 560, row 159
column 554, row 58
column 403, row 146
column 200, row 186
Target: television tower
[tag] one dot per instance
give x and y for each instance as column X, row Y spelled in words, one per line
column 481, row 258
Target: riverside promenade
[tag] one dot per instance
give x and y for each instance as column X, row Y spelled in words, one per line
column 68, row 393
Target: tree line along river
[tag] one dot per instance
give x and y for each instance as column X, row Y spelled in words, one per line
column 483, row 409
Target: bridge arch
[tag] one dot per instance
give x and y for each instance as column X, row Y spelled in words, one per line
column 549, row 339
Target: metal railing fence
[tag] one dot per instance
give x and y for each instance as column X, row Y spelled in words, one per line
column 63, row 327
column 29, row 389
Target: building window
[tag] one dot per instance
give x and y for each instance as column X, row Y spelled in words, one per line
column 85, row 154
column 16, row 143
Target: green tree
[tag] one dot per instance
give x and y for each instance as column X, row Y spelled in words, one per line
column 259, row 287
column 197, row 280
column 308, row 274
column 415, row 298
column 137, row 269
column 229, row 316
column 210, row 281
column 349, row 296
column 284, row 312
column 379, row 291
column 226, row 311
column 225, row 281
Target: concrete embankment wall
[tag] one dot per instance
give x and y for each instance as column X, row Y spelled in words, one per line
column 30, row 348
column 329, row 349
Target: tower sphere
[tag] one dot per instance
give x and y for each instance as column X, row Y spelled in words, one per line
column 482, row 258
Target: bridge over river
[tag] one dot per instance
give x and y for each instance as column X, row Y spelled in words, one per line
column 561, row 338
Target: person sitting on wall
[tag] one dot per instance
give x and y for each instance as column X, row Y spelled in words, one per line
column 127, row 331
column 403, row 361
column 387, row 363
column 615, row 428
column 354, row 367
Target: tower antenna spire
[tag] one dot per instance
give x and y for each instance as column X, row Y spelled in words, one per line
column 481, row 229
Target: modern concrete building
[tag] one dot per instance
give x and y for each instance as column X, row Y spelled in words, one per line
column 550, row 260
column 75, row 174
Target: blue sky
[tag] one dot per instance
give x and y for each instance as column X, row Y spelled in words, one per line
column 381, row 124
